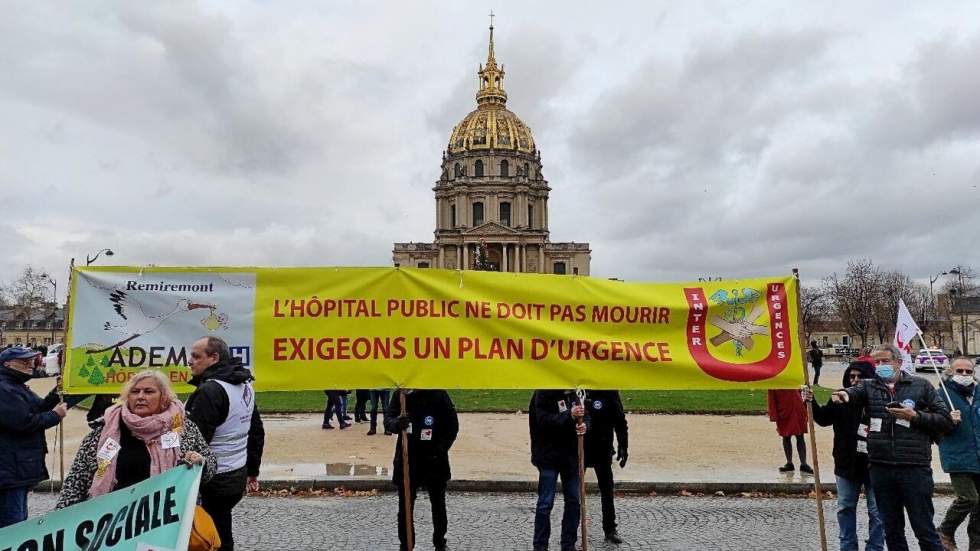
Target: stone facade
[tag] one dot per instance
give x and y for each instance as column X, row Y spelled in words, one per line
column 492, row 199
column 44, row 325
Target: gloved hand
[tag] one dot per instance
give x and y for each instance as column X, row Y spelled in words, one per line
column 402, row 422
column 622, row 455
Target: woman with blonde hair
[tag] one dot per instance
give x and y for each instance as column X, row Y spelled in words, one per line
column 144, row 435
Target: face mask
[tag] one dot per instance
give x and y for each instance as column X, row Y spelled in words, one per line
column 885, row 371
column 964, row 380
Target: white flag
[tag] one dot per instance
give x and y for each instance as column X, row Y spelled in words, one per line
column 905, row 330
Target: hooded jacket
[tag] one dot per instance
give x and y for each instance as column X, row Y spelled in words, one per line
column 208, row 407
column 433, row 431
column 849, row 461
column 891, row 442
column 959, row 451
column 24, row 417
column 554, row 444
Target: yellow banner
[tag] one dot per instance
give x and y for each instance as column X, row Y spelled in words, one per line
column 346, row 328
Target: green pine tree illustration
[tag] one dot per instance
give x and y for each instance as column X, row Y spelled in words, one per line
column 104, row 361
column 84, row 372
column 96, row 378
column 111, row 373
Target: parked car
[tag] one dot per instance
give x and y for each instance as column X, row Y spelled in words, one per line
column 51, row 366
column 939, row 357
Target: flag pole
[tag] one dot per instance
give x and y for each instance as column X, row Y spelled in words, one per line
column 935, row 369
column 406, row 483
column 818, row 489
column 581, row 477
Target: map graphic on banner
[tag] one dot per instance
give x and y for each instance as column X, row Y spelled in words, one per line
column 322, row 328
column 156, row 514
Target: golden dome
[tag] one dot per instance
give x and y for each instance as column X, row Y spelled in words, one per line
column 491, row 125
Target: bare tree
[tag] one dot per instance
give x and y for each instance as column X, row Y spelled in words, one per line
column 891, row 287
column 28, row 294
column 852, row 296
column 815, row 308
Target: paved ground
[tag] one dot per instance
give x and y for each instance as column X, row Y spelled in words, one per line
column 504, row 522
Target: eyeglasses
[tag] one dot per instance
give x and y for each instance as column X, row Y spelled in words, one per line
column 963, row 371
column 882, row 362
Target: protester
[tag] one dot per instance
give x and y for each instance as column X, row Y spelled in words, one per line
column 605, row 409
column 431, row 425
column 556, row 419
column 815, row 356
column 379, row 400
column 24, row 416
column 362, row 397
column 144, row 435
column 851, row 462
column 223, row 406
column 960, row 454
column 332, row 408
column 905, row 415
column 788, row 411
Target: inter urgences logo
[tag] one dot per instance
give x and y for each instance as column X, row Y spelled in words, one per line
column 738, row 318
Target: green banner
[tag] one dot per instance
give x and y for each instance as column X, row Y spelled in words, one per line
column 154, row 515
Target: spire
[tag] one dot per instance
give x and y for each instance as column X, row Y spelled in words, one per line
column 491, row 78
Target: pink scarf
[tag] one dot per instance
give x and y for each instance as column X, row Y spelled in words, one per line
column 148, row 429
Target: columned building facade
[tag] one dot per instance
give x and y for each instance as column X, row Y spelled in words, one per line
column 492, row 199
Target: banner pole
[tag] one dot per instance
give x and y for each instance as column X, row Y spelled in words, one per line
column 818, row 489
column 935, row 369
column 581, row 477
column 61, row 369
column 406, row 482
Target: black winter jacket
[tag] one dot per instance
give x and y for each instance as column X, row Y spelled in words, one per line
column 605, row 409
column 849, row 463
column 208, row 406
column 554, row 444
column 24, row 417
column 894, row 443
column 433, row 431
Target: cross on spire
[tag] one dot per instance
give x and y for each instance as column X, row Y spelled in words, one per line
column 491, row 19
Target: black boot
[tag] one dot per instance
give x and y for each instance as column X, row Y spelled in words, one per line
column 613, row 537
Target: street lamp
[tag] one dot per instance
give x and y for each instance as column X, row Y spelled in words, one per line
column 958, row 272
column 54, row 283
column 90, row 260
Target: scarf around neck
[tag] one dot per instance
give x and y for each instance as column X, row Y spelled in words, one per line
column 148, row 429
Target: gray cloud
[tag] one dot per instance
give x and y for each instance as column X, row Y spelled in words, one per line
column 679, row 141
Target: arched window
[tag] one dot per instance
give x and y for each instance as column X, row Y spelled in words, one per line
column 527, row 170
column 478, row 169
column 505, row 213
column 504, row 168
column 477, row 213
column 457, row 172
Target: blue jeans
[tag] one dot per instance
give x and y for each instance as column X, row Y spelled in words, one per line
column 13, row 506
column 847, row 498
column 547, row 486
column 909, row 488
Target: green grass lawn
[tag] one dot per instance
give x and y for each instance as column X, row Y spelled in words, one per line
column 650, row 401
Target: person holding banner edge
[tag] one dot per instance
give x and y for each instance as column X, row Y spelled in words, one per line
column 554, row 421
column 144, row 435
column 431, row 425
column 905, row 415
column 24, row 417
column 851, row 461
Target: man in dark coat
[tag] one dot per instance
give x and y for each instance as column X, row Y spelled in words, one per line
column 851, row 462
column 223, row 407
column 24, row 416
column 431, row 425
column 605, row 409
column 556, row 419
column 905, row 416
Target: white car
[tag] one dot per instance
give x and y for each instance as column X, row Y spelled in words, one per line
column 51, row 367
column 922, row 362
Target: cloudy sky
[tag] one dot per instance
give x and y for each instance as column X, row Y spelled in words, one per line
column 717, row 139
